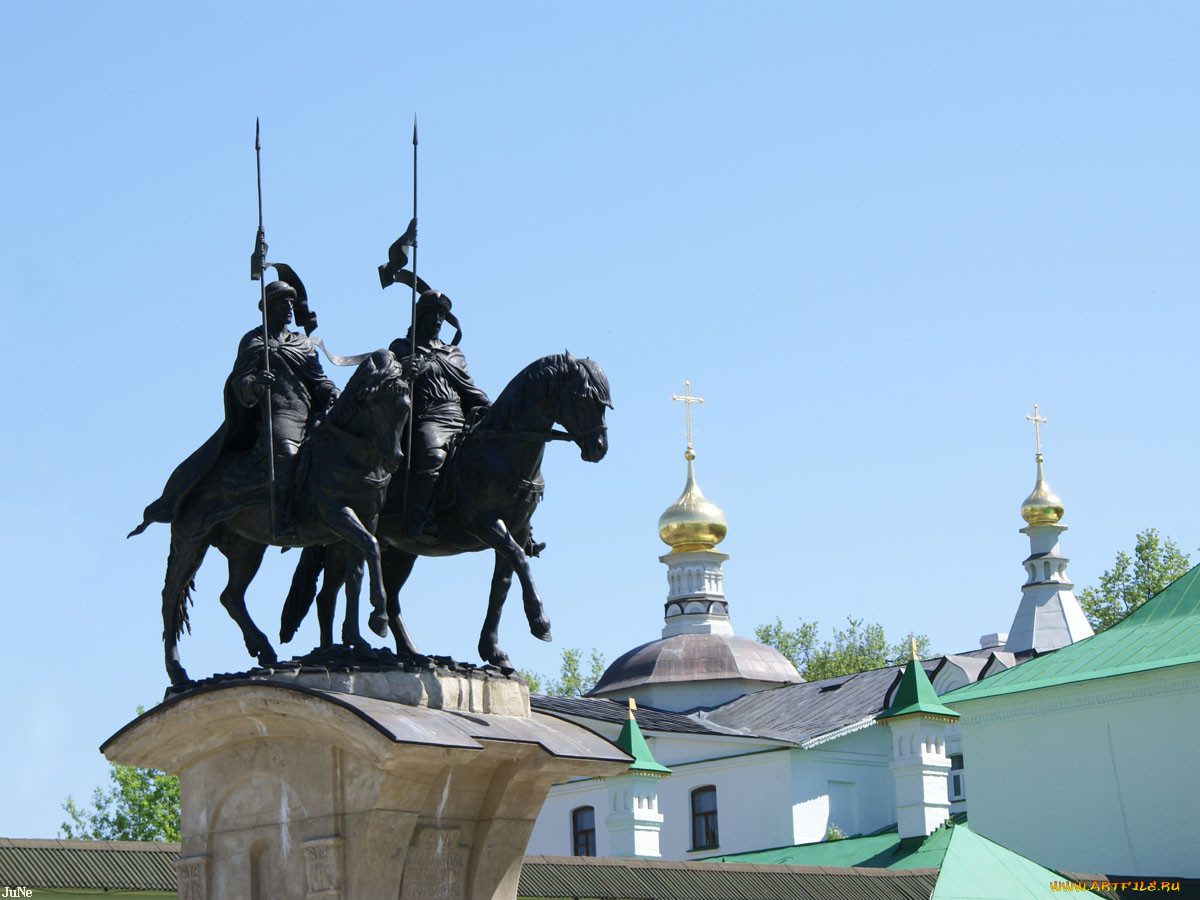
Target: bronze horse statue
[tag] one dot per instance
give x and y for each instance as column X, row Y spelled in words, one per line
column 343, row 471
column 487, row 492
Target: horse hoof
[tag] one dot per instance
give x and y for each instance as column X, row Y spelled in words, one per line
column 267, row 657
column 540, row 628
column 496, row 657
column 378, row 624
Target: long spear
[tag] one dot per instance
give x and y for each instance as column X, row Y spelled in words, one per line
column 412, row 335
column 258, row 262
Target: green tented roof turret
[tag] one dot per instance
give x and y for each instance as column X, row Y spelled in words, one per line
column 915, row 695
column 631, row 741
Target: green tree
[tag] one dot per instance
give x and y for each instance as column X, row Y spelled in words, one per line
column 139, row 805
column 1156, row 562
column 856, row 648
column 572, row 681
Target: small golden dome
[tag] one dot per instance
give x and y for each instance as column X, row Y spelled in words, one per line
column 693, row 522
column 1042, row 506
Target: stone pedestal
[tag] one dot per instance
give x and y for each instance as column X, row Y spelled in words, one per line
column 417, row 785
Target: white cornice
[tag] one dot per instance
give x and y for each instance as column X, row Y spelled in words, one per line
column 1129, row 688
column 840, row 732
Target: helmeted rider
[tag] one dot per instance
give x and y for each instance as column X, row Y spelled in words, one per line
column 443, row 396
column 300, row 392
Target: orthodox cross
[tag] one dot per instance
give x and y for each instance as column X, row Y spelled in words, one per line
column 1037, row 421
column 687, row 399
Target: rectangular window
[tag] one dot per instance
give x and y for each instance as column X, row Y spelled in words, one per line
column 704, row 818
column 957, row 785
column 583, row 831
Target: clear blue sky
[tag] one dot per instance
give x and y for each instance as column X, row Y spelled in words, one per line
column 871, row 234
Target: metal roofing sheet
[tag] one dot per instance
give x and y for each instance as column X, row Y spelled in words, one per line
column 800, row 712
column 697, row 657
column 602, row 710
column 874, row 851
column 975, row 868
column 107, row 865
column 612, row 879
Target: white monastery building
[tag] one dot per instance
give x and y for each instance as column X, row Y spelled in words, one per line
column 735, row 752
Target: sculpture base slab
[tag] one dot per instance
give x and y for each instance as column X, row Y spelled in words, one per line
column 291, row 792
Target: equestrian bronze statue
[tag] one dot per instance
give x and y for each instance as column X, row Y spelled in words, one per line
column 333, row 458
column 483, row 499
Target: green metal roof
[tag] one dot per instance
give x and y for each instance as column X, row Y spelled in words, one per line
column 631, row 741
column 102, row 865
column 970, row 867
column 579, row 877
column 1163, row 631
column 883, row 850
column 915, row 695
column 975, row 868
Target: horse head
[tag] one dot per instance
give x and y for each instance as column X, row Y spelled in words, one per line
column 582, row 401
column 375, row 402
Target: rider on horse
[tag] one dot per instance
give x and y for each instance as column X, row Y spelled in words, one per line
column 443, row 396
column 299, row 393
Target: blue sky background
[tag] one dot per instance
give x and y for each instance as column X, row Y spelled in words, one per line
column 871, row 234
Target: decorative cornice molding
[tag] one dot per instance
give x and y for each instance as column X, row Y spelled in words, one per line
column 840, row 732
column 1084, row 695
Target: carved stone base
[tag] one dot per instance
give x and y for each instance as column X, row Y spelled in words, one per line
column 290, row 792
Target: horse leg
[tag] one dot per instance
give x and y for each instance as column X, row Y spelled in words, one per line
column 346, row 524
column 183, row 561
column 489, row 636
column 351, row 636
column 397, row 566
column 244, row 557
column 495, row 534
column 335, row 577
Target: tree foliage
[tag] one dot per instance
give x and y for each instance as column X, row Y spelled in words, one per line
column 572, row 681
column 138, row 805
column 856, row 648
column 1156, row 562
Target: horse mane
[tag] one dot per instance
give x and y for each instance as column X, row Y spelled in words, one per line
column 361, row 384
column 533, row 382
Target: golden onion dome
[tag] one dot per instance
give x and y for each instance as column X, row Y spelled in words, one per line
column 693, row 522
column 1042, row 506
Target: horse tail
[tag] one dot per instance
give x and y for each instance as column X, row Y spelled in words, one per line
column 303, row 591
column 176, row 600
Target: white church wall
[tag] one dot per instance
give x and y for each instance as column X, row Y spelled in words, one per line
column 845, row 782
column 1115, row 753
column 693, row 758
column 552, row 830
column 750, row 814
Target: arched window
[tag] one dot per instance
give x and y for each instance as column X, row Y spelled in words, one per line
column 704, row 818
column 583, row 831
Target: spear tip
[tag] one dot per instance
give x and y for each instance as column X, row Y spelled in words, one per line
column 414, row 129
column 257, row 145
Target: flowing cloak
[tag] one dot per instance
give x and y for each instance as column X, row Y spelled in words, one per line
column 240, row 430
column 444, row 392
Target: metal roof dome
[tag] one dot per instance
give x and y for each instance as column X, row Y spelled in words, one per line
column 697, row 657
